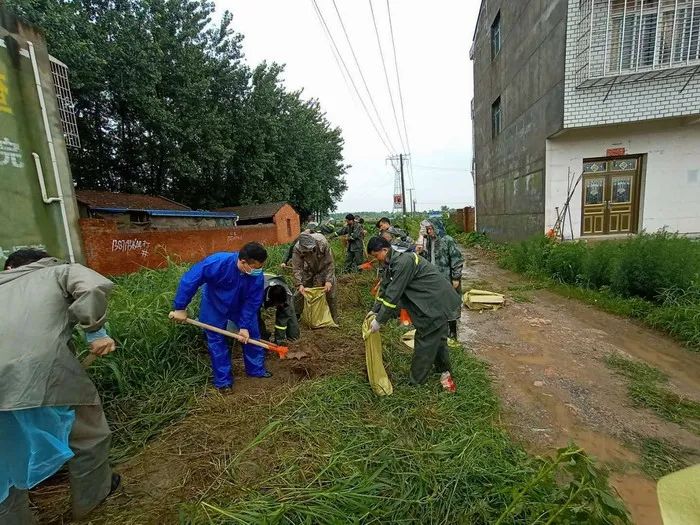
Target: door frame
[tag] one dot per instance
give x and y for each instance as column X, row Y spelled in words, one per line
column 637, row 189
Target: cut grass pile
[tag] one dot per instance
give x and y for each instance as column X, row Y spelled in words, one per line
column 659, row 457
column 336, row 453
column 646, row 388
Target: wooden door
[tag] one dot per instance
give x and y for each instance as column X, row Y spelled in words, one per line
column 610, row 196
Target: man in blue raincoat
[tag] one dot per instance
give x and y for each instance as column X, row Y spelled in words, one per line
column 233, row 287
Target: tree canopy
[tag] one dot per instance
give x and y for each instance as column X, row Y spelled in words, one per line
column 167, row 105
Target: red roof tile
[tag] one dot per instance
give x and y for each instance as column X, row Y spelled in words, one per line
column 131, row 201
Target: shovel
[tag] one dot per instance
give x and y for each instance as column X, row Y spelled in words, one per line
column 280, row 350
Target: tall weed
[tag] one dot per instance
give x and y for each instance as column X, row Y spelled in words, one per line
column 647, row 265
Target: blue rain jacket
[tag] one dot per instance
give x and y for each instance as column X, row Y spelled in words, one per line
column 227, row 294
column 38, row 439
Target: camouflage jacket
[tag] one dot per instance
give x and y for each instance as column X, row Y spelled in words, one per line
column 444, row 253
column 355, row 235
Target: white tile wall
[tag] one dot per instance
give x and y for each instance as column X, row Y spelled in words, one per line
column 630, row 102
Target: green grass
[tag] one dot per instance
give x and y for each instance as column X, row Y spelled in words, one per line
column 160, row 368
column 336, row 453
column 646, row 388
column 659, row 457
column 331, row 451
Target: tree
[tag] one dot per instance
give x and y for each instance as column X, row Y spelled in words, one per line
column 166, row 105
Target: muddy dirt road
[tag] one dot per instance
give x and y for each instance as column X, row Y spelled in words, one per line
column 546, row 354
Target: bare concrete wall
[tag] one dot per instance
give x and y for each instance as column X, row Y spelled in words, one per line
column 528, row 75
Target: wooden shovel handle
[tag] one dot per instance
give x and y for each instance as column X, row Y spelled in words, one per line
column 221, row 331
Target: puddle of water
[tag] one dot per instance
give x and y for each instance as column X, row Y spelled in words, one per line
column 639, row 494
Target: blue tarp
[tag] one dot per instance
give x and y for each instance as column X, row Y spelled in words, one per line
column 173, row 213
column 34, row 445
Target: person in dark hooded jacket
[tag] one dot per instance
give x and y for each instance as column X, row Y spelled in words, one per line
column 411, row 283
column 279, row 296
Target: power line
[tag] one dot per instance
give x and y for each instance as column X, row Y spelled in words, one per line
column 339, row 60
column 362, row 76
column 398, row 77
column 386, row 75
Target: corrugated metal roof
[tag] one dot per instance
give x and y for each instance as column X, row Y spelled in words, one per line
column 255, row 211
column 126, row 201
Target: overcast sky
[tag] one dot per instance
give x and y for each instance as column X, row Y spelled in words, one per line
column 432, row 44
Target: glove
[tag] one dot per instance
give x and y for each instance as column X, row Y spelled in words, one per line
column 375, row 326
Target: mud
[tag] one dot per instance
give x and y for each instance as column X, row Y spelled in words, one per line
column 546, row 353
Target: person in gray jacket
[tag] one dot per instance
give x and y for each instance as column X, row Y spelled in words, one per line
column 44, row 298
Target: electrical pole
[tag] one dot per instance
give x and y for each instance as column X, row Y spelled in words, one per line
column 403, row 184
column 412, row 207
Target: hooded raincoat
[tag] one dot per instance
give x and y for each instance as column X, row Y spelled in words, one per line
column 41, row 381
column 228, row 294
column 37, row 366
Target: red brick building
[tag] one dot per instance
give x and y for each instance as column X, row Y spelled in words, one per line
column 123, row 233
column 282, row 215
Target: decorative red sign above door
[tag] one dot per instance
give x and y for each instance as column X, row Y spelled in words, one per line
column 614, row 152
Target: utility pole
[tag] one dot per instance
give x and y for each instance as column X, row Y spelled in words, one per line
column 403, row 184
column 412, row 201
column 399, row 183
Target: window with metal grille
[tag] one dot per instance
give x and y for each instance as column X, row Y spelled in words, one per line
column 496, row 118
column 66, row 107
column 637, row 37
column 496, row 36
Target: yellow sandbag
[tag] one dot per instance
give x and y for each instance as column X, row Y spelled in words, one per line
column 409, row 339
column 316, row 313
column 378, row 379
column 679, row 496
column 483, row 300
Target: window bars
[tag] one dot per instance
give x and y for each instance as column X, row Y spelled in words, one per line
column 66, row 107
column 638, row 39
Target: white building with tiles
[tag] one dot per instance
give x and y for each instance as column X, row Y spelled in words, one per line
column 591, row 102
column 631, row 124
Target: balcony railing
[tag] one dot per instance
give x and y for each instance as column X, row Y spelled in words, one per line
column 628, row 40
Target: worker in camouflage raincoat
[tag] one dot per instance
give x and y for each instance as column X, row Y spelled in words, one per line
column 355, row 234
column 441, row 250
column 313, row 266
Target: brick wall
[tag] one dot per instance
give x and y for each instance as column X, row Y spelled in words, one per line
column 464, row 219
column 624, row 102
column 112, row 252
column 287, row 224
